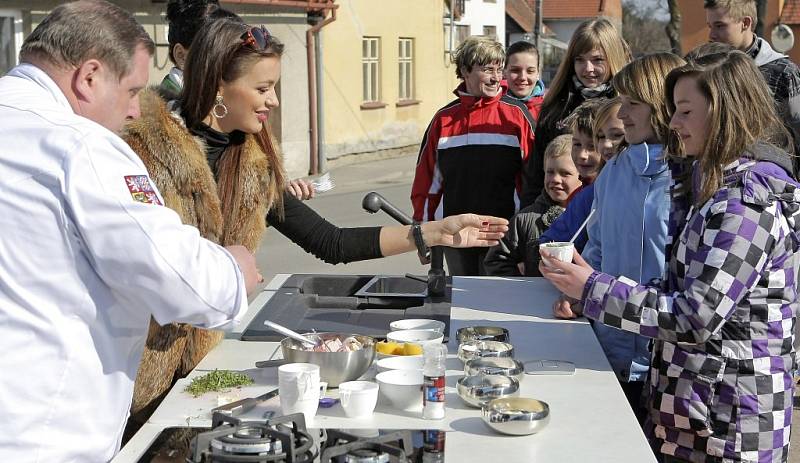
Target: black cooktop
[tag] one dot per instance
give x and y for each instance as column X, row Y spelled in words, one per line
column 328, row 303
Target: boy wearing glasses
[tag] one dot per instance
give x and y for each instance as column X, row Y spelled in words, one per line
column 474, row 149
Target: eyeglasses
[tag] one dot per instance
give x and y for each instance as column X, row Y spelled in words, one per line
column 257, row 37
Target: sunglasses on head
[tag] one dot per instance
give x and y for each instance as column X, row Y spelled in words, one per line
column 256, row 37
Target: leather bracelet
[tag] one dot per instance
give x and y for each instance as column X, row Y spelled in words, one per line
column 423, row 251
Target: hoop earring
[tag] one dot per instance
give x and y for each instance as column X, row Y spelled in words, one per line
column 219, row 107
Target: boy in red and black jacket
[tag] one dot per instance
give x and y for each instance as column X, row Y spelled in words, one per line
column 474, row 149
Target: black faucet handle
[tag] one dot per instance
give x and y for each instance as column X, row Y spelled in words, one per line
column 373, row 202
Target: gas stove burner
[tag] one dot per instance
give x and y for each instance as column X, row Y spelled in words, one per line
column 231, row 440
column 248, row 439
column 366, row 456
column 342, row 447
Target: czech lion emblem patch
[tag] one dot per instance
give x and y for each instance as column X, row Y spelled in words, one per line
column 142, row 189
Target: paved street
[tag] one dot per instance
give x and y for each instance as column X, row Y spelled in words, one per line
column 342, row 206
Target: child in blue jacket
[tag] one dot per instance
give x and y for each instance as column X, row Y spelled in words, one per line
column 628, row 233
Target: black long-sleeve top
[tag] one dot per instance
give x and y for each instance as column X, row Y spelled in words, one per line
column 301, row 224
column 326, row 241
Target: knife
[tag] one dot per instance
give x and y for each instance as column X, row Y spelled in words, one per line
column 245, row 405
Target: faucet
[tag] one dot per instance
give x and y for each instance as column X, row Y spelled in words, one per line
column 437, row 278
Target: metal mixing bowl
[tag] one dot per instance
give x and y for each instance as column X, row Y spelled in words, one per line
column 479, row 390
column 517, row 416
column 482, row 333
column 334, row 367
column 473, row 349
column 495, row 366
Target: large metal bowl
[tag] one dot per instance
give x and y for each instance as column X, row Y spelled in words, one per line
column 516, row 416
column 479, row 390
column 334, row 367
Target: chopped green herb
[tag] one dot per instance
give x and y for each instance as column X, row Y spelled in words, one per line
column 217, row 380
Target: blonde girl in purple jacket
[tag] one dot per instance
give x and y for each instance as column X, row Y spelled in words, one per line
column 720, row 381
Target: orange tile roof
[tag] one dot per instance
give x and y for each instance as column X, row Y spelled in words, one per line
column 568, row 9
column 791, row 12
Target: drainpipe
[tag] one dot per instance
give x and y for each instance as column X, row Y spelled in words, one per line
column 314, row 116
column 321, row 167
column 452, row 25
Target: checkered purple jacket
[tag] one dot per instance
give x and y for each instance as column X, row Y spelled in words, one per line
column 720, row 382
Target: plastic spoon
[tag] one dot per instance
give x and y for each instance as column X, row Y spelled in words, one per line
column 293, row 334
column 583, row 225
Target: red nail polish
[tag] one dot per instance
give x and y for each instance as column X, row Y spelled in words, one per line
column 485, row 224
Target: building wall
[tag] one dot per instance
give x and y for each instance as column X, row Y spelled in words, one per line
column 348, row 127
column 290, row 120
column 694, row 31
column 564, row 28
column 480, row 13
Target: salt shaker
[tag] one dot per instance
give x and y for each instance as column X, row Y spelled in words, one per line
column 433, row 370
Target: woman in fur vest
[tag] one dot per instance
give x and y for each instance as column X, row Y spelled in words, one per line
column 214, row 162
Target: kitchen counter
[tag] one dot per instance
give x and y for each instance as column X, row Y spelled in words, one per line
column 590, row 417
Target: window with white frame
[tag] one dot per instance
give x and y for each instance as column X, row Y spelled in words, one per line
column 405, row 58
column 370, row 63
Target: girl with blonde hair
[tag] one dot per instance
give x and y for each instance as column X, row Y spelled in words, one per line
column 631, row 200
column 596, row 52
column 720, row 386
column 609, row 130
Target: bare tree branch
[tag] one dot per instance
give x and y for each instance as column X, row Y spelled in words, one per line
column 673, row 28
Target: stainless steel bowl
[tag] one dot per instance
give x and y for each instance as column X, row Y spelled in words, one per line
column 482, row 333
column 479, row 390
column 495, row 366
column 334, row 367
column 469, row 350
column 517, row 416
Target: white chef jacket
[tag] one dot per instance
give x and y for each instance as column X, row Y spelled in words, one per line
column 85, row 259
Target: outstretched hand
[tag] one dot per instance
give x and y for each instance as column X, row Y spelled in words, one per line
column 569, row 277
column 468, row 231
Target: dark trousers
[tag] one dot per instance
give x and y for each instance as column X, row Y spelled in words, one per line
column 465, row 262
column 633, row 392
column 670, row 459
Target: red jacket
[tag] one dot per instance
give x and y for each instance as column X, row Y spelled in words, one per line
column 472, row 156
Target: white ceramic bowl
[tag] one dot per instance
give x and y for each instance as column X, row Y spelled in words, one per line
column 421, row 337
column 402, row 388
column 417, row 324
column 381, row 356
column 400, row 362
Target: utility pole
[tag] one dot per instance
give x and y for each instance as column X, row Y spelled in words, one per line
column 537, row 26
column 761, row 16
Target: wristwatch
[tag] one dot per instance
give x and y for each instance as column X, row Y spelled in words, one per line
column 423, row 251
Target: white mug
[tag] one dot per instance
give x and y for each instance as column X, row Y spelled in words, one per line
column 358, row 398
column 299, row 388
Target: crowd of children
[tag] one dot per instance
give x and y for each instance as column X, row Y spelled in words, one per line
column 682, row 173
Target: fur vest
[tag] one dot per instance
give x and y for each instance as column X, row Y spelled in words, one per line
column 176, row 161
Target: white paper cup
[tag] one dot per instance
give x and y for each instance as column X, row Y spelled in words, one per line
column 358, row 398
column 558, row 250
column 299, row 388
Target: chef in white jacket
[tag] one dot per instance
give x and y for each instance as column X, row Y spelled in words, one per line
column 87, row 251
